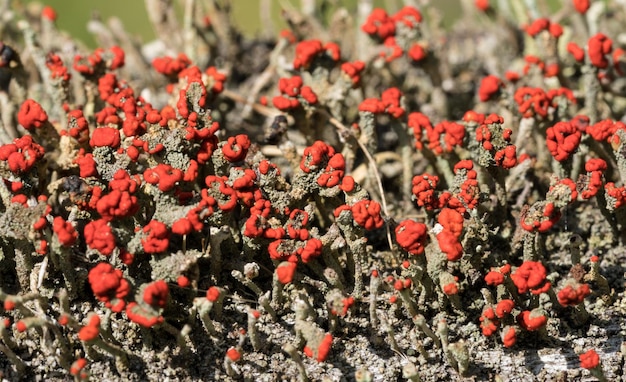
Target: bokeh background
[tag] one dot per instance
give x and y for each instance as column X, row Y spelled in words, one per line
column 74, row 14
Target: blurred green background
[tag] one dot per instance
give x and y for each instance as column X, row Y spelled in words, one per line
column 74, row 14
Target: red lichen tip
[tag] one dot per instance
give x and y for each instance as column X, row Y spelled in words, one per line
column 156, row 294
column 157, row 239
column 233, row 354
column 482, row 5
column 366, row 213
column 530, row 276
column 32, row 115
column 504, row 307
column 77, row 367
column 49, row 13
column 65, row 231
column 509, row 336
column 489, row 88
column 581, row 6
column 285, row 272
column 236, row 148
column 323, row 349
column 21, row 326
column 412, row 236
column 532, row 320
column 213, row 294
column 589, row 360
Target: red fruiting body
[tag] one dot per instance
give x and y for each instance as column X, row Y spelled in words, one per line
column 217, row 79
column 182, row 226
column 105, row 137
column 218, row 194
column 561, row 189
column 21, row 326
column 598, row 47
column 616, row 196
column 412, row 236
column 58, row 70
column 78, row 366
column 87, row 165
column 604, row 129
column 163, row 175
column 530, row 276
column 619, row 61
column 353, row 70
column 91, row 330
column 156, row 293
column 424, row 190
column 494, row 278
column 183, row 281
column 556, row 30
column 408, row 15
column 22, row 154
column 509, row 336
column 119, row 202
column 296, row 225
column 589, row 360
column 540, row 217
column 532, row 320
column 31, row 115
column 139, row 315
column 451, row 288
column 77, row 124
column 157, row 239
column 366, row 213
column 99, row 60
column 573, row 295
column 236, row 148
column 488, row 322
column 321, row 353
column 171, row 66
column 417, row 122
column 581, row 6
column 9, row 304
column 285, row 272
column 468, row 193
column 449, row 244
column 562, row 140
column 213, row 294
column 448, row 239
column 417, row 52
column 49, row 13
column 532, row 102
column 109, row 286
column 293, row 92
column 334, row 171
column 65, row 231
column 576, row 51
column 379, row 23
column 445, row 136
column 312, row 248
column 482, row 5
column 372, row 105
column 504, row 307
column 595, row 168
column 489, row 88
column 537, row 26
column 233, row 354
column 99, row 236
column 391, row 102
column 306, row 52
column 451, row 220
